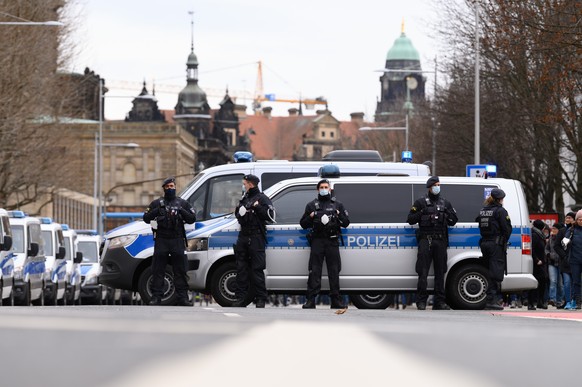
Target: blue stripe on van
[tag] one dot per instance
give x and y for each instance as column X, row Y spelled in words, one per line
column 142, row 242
column 366, row 237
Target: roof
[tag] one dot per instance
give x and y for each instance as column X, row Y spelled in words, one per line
column 402, row 49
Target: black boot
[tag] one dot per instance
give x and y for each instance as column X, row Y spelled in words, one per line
column 337, row 303
column 309, row 304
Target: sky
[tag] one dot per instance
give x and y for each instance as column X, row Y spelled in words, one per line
column 308, row 48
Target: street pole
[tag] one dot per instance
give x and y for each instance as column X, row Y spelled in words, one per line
column 477, row 120
column 100, row 146
column 95, row 189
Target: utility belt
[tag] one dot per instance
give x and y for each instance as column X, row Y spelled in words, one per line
column 499, row 240
column 432, row 236
column 251, row 231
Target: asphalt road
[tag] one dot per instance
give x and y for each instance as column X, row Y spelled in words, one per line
column 214, row 346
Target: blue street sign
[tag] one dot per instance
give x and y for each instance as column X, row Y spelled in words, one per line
column 481, row 170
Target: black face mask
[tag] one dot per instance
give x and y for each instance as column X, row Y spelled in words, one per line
column 170, row 194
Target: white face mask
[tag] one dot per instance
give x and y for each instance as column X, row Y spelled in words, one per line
column 435, row 189
column 324, row 192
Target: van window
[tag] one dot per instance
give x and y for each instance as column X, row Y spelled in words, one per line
column 269, row 179
column 68, row 252
column 290, row 204
column 48, row 242
column 217, row 197
column 375, row 203
column 6, row 226
column 89, row 250
column 467, row 200
column 18, row 239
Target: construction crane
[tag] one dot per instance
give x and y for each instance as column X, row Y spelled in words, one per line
column 261, row 97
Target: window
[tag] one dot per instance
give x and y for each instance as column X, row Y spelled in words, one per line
column 467, row 200
column 290, row 204
column 47, row 238
column 322, row 134
column 35, row 236
column 270, row 178
column 17, row 239
column 331, row 134
column 68, row 252
column 375, row 203
column 216, row 197
column 89, row 250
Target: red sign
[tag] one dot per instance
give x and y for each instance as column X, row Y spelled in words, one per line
column 548, row 219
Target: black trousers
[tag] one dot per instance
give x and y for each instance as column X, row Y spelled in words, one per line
column 250, row 265
column 324, row 249
column 435, row 252
column 496, row 255
column 170, row 250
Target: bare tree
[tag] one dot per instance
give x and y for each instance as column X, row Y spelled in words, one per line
column 32, row 152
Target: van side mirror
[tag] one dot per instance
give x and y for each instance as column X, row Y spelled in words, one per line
column 62, row 252
column 6, row 244
column 78, row 257
column 33, row 250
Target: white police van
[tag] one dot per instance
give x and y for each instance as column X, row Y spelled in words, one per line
column 73, row 258
column 56, row 264
column 29, row 259
column 91, row 290
column 214, row 193
column 379, row 247
column 6, row 261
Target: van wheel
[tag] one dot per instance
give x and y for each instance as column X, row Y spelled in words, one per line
column 223, row 285
column 40, row 300
column 25, row 295
column 144, row 287
column 467, row 287
column 371, row 300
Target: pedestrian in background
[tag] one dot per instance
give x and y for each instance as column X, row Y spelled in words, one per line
column 573, row 242
column 433, row 214
column 555, row 253
column 324, row 216
column 569, row 220
column 253, row 212
column 495, row 229
column 167, row 217
column 540, row 270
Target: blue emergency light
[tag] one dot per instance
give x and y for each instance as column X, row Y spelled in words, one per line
column 16, row 214
column 45, row 220
column 65, row 227
column 242, row 157
column 328, row 171
column 406, row 156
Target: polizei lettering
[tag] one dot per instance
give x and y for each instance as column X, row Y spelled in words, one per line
column 373, row 241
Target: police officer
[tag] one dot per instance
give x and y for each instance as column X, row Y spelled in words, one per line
column 253, row 212
column 167, row 216
column 495, row 228
column 434, row 214
column 324, row 215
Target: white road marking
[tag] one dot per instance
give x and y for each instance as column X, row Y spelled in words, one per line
column 292, row 354
column 232, row 314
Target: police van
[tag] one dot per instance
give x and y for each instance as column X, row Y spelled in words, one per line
column 73, row 258
column 56, row 264
column 214, row 193
column 6, row 261
column 29, row 259
column 92, row 292
column 378, row 249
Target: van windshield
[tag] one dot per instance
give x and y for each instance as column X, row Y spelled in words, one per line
column 217, row 197
column 89, row 250
column 196, row 178
column 17, row 239
column 47, row 238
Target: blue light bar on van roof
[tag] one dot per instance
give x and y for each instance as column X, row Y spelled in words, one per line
column 16, row 214
column 329, row 170
column 406, row 156
column 65, row 227
column 242, row 157
column 45, row 220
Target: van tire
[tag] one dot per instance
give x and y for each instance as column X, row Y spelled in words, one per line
column 223, row 285
column 371, row 300
column 144, row 287
column 467, row 287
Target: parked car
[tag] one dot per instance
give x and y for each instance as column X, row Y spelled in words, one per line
column 6, row 261
column 73, row 257
column 29, row 259
column 56, row 264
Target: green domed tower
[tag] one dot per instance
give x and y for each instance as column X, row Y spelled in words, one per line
column 402, row 62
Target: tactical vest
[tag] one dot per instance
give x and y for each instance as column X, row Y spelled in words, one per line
column 434, row 216
column 332, row 228
column 488, row 222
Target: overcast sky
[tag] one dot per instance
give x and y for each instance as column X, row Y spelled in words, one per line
column 309, row 48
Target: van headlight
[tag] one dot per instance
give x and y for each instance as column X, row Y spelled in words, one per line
column 197, row 244
column 91, row 280
column 18, row 273
column 122, row 241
